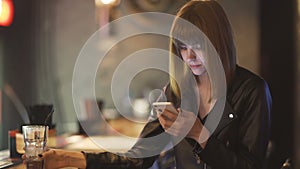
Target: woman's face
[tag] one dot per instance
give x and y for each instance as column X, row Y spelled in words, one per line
column 193, row 57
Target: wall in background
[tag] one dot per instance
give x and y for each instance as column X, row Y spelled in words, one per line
column 18, row 65
column 245, row 19
column 69, row 32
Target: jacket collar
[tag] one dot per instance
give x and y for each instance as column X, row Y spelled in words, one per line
column 220, row 116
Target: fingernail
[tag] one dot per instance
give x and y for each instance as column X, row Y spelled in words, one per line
column 40, row 155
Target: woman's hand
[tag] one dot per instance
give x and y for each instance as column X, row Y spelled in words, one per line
column 184, row 124
column 55, row 158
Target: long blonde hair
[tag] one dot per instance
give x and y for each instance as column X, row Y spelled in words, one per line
column 210, row 18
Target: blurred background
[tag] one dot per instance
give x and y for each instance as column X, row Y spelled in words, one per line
column 41, row 41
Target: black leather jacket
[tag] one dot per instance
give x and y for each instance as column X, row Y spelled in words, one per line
column 239, row 141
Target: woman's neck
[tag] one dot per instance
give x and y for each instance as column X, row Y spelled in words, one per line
column 204, row 88
column 203, row 80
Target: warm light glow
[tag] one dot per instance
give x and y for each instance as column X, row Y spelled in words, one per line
column 6, row 12
column 0, row 7
column 105, row 2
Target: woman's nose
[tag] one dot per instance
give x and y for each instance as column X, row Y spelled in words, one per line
column 190, row 53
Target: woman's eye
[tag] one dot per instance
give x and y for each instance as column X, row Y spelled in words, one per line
column 182, row 47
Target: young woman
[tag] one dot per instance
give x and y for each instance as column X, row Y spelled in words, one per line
column 238, row 139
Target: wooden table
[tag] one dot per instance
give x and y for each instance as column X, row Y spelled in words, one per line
column 113, row 142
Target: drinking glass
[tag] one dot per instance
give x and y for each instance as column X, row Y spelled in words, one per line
column 35, row 139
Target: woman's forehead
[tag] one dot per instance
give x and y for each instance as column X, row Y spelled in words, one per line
column 188, row 43
column 188, row 38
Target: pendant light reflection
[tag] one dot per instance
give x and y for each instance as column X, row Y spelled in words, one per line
column 6, row 12
column 107, row 2
column 0, row 7
column 103, row 14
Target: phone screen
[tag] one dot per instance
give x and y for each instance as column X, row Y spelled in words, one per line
column 161, row 106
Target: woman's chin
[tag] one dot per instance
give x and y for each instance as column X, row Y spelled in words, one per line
column 198, row 72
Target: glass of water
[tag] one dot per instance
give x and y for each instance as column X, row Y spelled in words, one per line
column 35, row 139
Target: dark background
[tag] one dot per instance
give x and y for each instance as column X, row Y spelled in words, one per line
column 279, row 68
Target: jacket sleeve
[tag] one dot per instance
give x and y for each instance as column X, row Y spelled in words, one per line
column 140, row 156
column 253, row 134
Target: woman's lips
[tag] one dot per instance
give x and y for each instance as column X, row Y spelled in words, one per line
column 195, row 66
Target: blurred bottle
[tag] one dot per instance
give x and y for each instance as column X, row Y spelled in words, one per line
column 12, row 144
column 287, row 164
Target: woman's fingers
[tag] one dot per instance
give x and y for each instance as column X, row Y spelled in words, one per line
column 169, row 115
column 177, row 124
column 167, row 119
column 24, row 158
column 170, row 123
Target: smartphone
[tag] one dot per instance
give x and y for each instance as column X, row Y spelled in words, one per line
column 161, row 106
